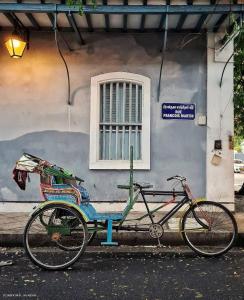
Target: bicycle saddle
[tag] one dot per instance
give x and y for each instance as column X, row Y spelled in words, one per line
column 143, row 185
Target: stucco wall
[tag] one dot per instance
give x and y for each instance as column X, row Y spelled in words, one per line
column 220, row 178
column 34, row 113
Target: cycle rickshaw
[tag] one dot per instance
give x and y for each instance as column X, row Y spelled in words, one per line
column 61, row 227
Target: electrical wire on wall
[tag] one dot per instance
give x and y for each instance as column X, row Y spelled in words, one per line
column 69, row 102
column 231, row 38
column 222, row 75
column 192, row 37
column 63, row 59
column 222, row 114
column 163, row 53
column 196, row 35
column 239, row 35
column 221, row 80
column 164, row 46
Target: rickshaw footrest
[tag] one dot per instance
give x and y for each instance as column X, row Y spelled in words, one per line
column 109, row 241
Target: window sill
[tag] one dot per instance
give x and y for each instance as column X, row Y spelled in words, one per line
column 119, row 165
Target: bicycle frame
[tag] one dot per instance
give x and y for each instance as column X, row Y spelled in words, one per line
column 171, row 212
column 150, row 213
column 187, row 198
column 109, row 221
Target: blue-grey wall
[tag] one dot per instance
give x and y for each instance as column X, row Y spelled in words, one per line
column 34, row 114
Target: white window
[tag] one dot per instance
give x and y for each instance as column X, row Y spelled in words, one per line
column 120, row 117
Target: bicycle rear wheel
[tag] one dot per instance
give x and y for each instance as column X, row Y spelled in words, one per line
column 44, row 233
column 209, row 228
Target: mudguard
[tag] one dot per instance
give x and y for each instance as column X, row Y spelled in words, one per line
column 196, row 200
column 66, row 203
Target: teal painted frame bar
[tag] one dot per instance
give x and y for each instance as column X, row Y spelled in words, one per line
column 123, row 9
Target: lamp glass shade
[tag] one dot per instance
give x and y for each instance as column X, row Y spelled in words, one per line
column 15, row 47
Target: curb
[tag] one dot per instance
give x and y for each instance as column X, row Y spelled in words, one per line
column 123, row 238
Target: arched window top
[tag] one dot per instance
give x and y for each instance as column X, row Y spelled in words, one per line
column 121, row 76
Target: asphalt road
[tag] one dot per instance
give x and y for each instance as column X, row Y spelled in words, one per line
column 175, row 275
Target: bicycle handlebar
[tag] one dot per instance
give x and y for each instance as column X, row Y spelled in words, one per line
column 176, row 177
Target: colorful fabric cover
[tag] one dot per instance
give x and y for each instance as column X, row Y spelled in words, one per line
column 56, row 182
column 65, row 192
column 20, row 177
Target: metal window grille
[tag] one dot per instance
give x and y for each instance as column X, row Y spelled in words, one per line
column 120, row 120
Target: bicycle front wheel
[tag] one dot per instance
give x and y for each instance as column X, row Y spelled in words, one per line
column 46, row 231
column 209, row 228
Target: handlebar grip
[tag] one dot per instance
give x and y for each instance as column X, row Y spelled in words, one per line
column 170, row 178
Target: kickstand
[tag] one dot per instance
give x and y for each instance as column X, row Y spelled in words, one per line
column 159, row 244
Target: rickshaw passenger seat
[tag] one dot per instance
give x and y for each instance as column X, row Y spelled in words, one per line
column 109, row 217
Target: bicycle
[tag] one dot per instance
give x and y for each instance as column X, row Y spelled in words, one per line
column 59, row 230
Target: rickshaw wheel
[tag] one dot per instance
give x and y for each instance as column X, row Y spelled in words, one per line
column 42, row 237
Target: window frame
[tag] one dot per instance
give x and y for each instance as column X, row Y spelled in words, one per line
column 96, row 81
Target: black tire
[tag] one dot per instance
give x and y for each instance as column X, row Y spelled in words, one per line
column 41, row 246
column 209, row 228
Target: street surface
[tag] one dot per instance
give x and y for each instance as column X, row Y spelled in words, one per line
column 175, row 274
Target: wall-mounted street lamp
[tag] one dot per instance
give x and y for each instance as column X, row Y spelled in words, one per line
column 17, row 44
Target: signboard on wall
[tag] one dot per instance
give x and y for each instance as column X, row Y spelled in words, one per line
column 178, row 111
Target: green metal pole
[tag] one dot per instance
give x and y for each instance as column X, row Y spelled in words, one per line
column 131, row 174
